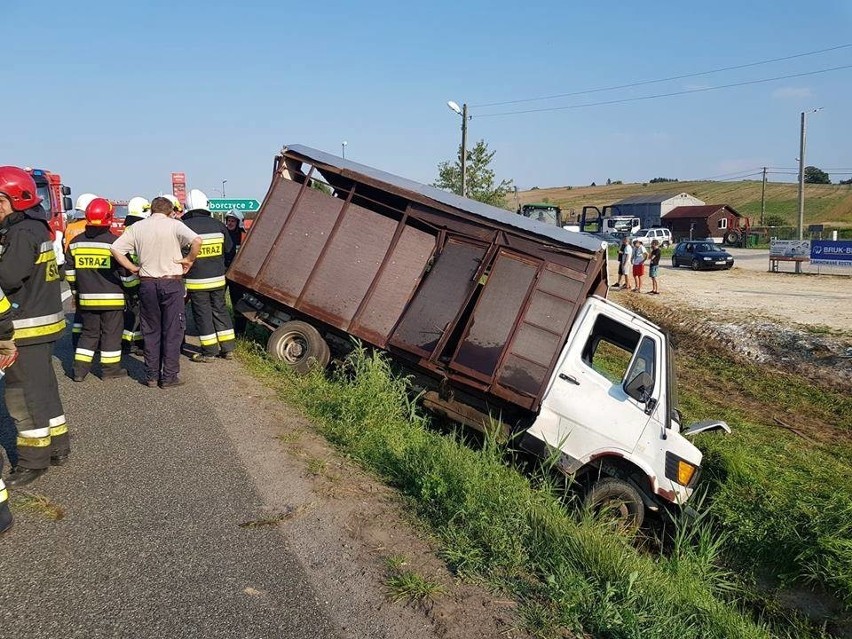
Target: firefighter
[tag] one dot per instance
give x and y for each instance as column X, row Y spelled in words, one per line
column 8, row 355
column 71, row 231
column 30, row 277
column 96, row 280
column 236, row 228
column 138, row 208
column 205, row 281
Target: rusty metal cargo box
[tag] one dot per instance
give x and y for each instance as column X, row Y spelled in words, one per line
column 464, row 291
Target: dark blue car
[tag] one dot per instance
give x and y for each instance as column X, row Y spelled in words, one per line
column 701, row 254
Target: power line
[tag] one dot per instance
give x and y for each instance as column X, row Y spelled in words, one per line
column 666, row 95
column 657, row 81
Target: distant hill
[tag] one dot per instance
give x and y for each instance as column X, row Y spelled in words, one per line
column 828, row 204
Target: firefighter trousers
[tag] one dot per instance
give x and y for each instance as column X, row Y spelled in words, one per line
column 32, row 399
column 212, row 321
column 100, row 329
column 132, row 334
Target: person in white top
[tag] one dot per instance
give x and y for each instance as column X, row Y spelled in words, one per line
column 626, row 262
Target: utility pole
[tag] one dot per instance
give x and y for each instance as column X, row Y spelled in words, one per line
column 464, row 151
column 801, row 180
column 763, row 198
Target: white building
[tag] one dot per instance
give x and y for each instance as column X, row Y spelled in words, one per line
column 650, row 208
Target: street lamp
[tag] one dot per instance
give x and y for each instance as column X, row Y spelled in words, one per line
column 223, row 188
column 343, row 148
column 802, row 133
column 462, row 111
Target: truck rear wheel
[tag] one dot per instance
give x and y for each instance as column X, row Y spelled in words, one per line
column 619, row 500
column 299, row 345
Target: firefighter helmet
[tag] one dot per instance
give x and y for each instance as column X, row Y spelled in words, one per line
column 18, row 186
column 139, row 207
column 237, row 215
column 177, row 207
column 99, row 212
column 83, row 200
column 196, row 200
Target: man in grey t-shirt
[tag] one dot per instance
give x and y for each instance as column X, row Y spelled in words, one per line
column 157, row 242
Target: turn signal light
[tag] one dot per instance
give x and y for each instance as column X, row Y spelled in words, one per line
column 685, row 471
column 680, row 470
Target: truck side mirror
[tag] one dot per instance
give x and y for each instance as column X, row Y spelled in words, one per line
column 640, row 387
column 67, row 205
column 66, row 190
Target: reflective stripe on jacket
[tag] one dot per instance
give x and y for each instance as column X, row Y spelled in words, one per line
column 29, row 276
column 208, row 271
column 96, row 277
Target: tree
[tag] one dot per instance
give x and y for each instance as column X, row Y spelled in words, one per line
column 481, row 182
column 658, row 180
column 813, row 175
column 775, row 219
column 849, row 181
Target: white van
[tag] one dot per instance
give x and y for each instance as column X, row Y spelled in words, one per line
column 663, row 236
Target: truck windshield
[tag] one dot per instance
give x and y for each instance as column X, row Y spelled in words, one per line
column 546, row 214
column 44, row 193
column 622, row 226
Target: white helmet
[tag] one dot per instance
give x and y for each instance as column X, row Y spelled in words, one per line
column 177, row 207
column 83, row 200
column 237, row 215
column 196, row 200
column 139, row 207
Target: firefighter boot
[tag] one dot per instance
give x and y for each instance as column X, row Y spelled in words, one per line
column 6, row 520
column 21, row 476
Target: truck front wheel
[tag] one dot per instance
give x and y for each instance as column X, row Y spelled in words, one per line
column 299, row 345
column 618, row 500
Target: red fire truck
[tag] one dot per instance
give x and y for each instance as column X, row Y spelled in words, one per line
column 56, row 200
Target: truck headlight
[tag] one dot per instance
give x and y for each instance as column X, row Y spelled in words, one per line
column 680, row 470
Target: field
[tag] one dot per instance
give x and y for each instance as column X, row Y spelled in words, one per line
column 827, row 204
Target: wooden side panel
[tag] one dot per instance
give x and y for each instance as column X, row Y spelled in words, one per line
column 396, row 285
column 296, row 254
column 266, row 227
column 349, row 266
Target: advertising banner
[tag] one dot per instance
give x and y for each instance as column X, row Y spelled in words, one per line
column 179, row 187
column 832, row 253
column 790, row 248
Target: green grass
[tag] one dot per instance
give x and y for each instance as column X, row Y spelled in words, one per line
column 785, row 501
column 497, row 525
column 408, row 585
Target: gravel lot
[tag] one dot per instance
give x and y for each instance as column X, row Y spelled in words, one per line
column 749, row 291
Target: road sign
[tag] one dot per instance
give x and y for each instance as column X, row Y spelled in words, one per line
column 221, row 204
column 831, row 253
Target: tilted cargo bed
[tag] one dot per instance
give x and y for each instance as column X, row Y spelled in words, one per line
column 467, row 292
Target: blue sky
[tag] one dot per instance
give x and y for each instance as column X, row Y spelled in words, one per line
column 117, row 95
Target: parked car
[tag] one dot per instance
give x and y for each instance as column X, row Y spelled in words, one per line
column 663, row 236
column 701, row 254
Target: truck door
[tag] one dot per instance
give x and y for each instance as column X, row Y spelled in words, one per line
column 594, row 394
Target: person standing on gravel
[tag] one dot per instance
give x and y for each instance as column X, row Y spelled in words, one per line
column 639, row 257
column 626, row 261
column 655, row 267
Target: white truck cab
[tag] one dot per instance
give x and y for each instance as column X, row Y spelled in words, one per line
column 610, row 409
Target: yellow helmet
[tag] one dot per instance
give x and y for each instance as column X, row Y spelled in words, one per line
column 177, row 207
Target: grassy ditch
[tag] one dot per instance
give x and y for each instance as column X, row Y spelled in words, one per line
column 781, row 484
column 568, row 573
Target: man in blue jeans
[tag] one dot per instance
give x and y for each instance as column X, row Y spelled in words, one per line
column 157, row 242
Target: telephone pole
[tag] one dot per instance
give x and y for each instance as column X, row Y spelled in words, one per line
column 763, row 198
column 802, row 134
column 464, row 151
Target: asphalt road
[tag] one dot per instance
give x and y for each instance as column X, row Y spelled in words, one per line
column 150, row 545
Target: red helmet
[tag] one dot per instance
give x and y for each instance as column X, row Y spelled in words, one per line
column 99, row 212
column 18, row 185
